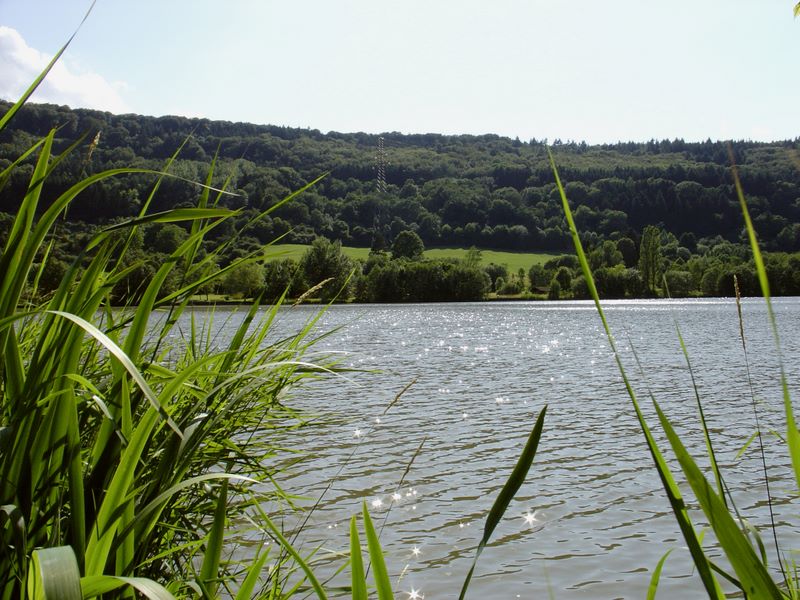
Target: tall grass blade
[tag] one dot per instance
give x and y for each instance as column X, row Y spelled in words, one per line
column 507, row 493
column 381, row 575
column 752, row 574
column 14, row 269
column 670, row 487
column 656, row 577
column 304, row 566
column 792, row 434
column 5, row 174
column 126, row 362
column 358, row 577
column 209, row 572
column 247, row 589
column 168, row 216
column 757, row 434
column 32, row 88
column 712, row 457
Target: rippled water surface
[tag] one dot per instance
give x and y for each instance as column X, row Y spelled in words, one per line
column 591, row 521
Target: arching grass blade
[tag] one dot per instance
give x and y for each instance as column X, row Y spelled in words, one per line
column 508, row 492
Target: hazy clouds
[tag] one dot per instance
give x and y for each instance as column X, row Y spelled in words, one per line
column 66, row 84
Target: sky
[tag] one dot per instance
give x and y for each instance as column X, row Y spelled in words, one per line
column 582, row 70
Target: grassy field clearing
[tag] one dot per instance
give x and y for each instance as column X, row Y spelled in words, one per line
column 512, row 260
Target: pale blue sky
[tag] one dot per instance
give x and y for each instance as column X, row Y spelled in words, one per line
column 582, row 70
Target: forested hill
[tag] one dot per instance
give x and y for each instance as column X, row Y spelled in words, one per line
column 487, row 191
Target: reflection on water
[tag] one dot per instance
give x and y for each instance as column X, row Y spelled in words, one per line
column 591, row 521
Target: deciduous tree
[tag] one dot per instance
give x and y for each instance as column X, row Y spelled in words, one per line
column 407, row 244
column 324, row 260
column 650, row 257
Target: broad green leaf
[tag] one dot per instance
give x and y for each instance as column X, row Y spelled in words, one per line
column 11, row 514
column 96, row 585
column 54, row 575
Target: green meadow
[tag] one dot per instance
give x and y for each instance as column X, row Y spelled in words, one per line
column 512, row 260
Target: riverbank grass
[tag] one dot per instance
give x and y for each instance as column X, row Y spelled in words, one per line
column 741, row 544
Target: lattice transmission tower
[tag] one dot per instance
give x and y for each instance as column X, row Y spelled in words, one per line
column 380, row 166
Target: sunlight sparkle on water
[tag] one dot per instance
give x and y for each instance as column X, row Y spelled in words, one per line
column 377, row 503
column 357, row 433
column 530, row 518
column 416, row 551
column 415, row 595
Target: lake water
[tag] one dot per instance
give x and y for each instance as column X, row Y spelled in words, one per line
column 591, row 520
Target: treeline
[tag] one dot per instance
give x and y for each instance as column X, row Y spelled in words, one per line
column 462, row 191
column 399, row 274
column 487, row 191
column 657, row 268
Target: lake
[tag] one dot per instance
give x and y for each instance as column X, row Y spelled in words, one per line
column 591, row 520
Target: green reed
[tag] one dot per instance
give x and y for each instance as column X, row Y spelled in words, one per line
column 122, row 467
column 750, row 571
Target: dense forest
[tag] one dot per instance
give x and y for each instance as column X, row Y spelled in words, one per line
column 451, row 191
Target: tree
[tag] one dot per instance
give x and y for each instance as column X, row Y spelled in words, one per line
column 555, row 290
column 496, row 272
column 564, row 277
column 627, row 248
column 165, row 238
column 679, row 283
column 473, row 258
column 282, row 275
column 650, row 258
column 538, row 276
column 605, row 255
column 245, row 279
column 324, row 260
column 409, row 245
column 378, row 243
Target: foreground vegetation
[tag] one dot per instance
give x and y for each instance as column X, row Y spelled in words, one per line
column 128, row 459
column 125, row 454
column 133, row 439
